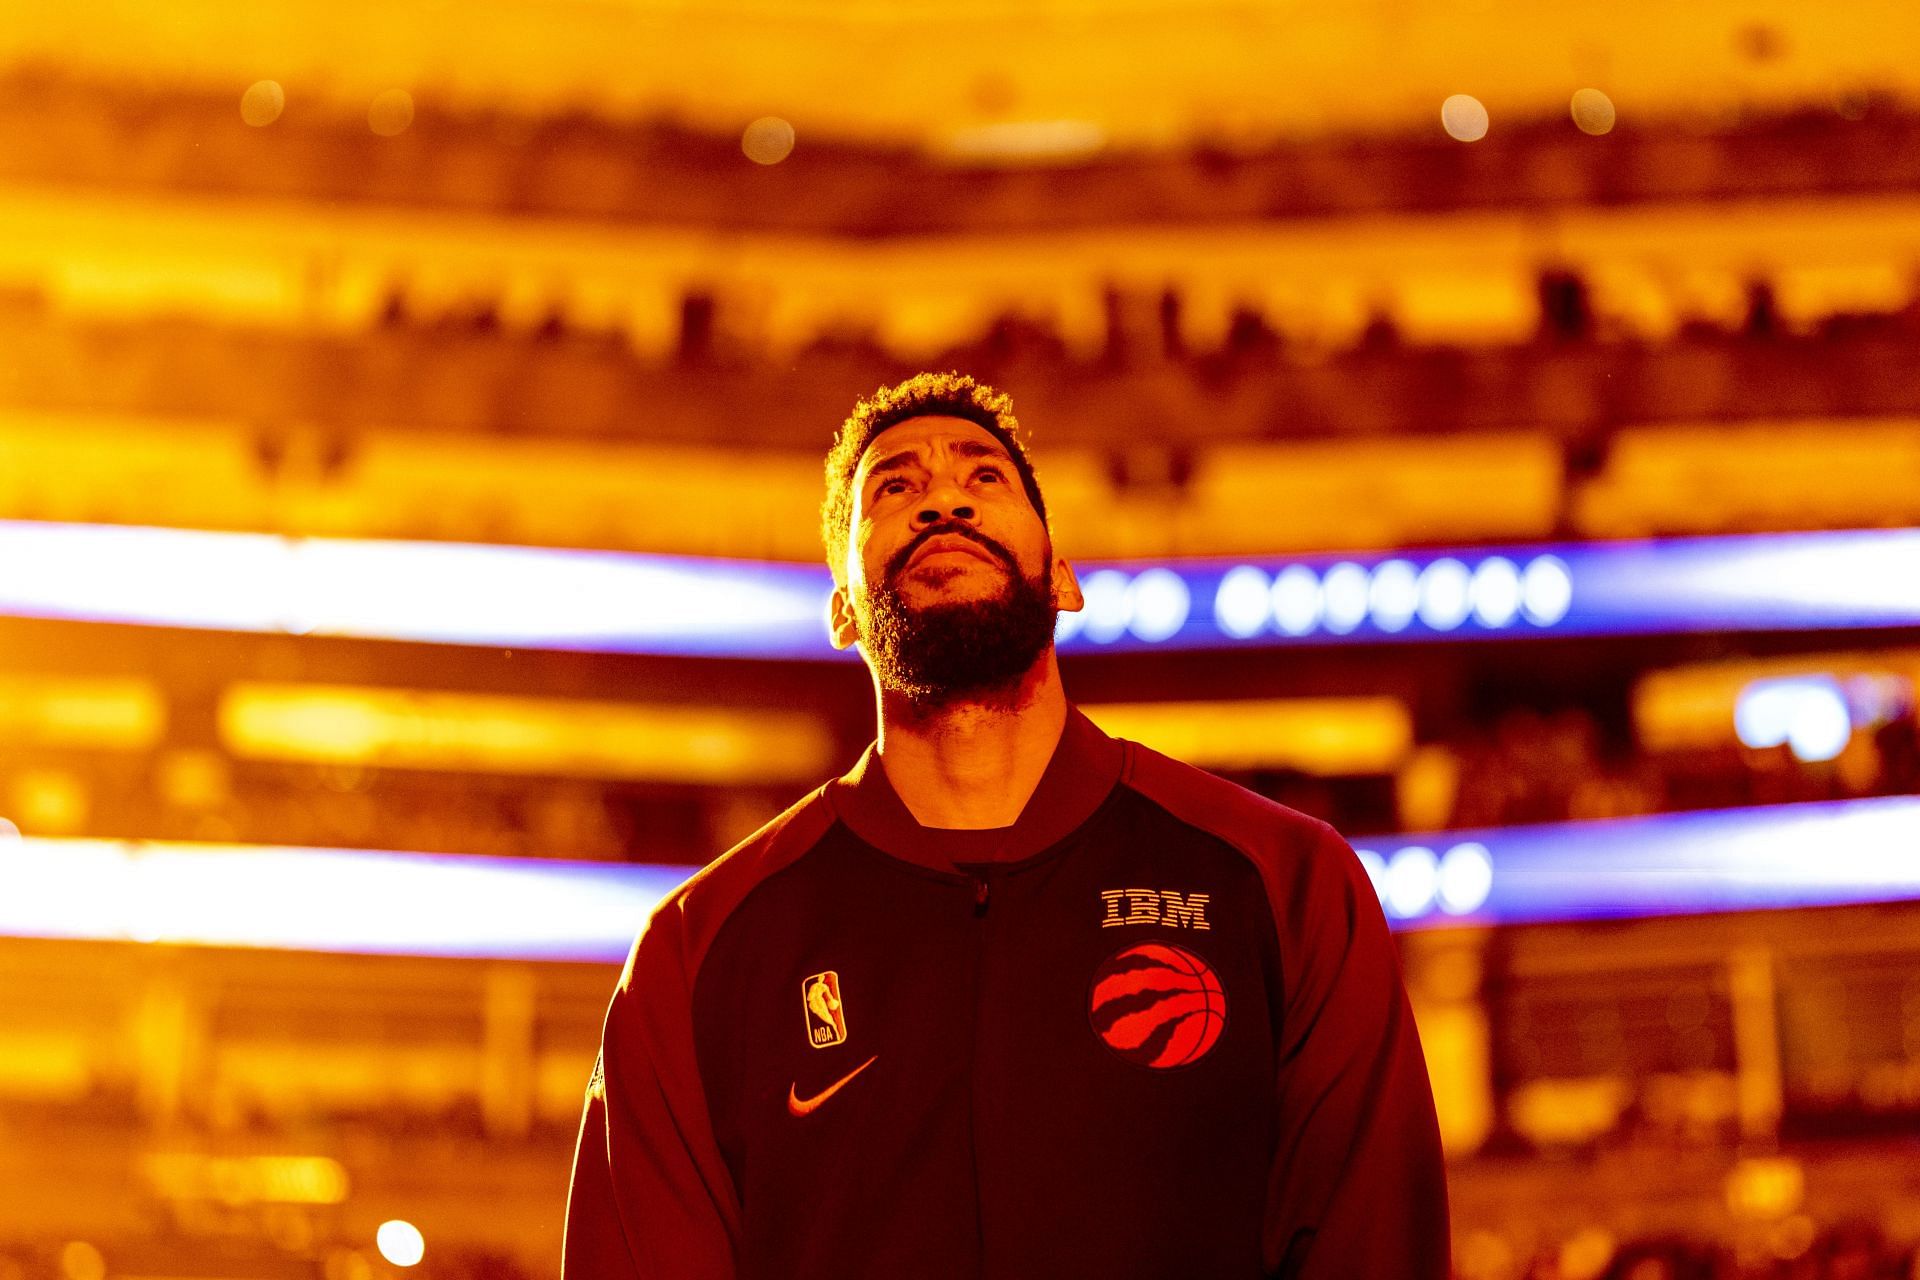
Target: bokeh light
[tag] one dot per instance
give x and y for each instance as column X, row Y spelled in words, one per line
column 1586, row 1255
column 80, row 1260
column 1546, row 590
column 390, row 112
column 1240, row 605
column 1592, row 111
column 400, row 1243
column 1443, row 594
column 768, row 140
column 1807, row 713
column 1412, row 880
column 262, row 103
column 1297, row 600
column 1464, row 118
column 1157, row 604
column 1346, row 597
column 1495, row 591
column 1466, row 878
column 1393, row 595
column 1105, row 616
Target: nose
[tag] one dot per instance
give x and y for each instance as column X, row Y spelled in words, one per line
column 945, row 500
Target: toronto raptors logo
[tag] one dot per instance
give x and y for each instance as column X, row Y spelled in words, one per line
column 1157, row 1005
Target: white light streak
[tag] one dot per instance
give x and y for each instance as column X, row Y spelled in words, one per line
column 453, row 593
column 548, row 909
column 325, row 899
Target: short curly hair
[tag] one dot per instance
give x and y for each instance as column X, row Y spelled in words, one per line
column 952, row 394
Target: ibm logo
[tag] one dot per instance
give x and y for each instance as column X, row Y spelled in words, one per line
column 1167, row 907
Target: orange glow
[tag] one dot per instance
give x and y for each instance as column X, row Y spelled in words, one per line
column 1765, row 1187
column 1212, row 64
column 115, row 713
column 558, row 273
column 409, row 728
column 1318, row 735
column 1692, row 707
column 241, row 1180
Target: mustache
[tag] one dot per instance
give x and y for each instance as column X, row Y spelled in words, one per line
column 898, row 564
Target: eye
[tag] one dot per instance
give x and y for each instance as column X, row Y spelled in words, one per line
column 888, row 487
column 993, row 471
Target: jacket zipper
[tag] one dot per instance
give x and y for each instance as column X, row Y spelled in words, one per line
column 982, row 895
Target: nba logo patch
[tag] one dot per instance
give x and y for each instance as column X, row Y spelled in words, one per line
column 1157, row 1005
column 826, row 1019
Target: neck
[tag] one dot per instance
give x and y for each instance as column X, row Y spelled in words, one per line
column 973, row 764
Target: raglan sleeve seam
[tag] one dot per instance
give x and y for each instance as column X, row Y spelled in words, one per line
column 651, row 1194
column 1357, row 1186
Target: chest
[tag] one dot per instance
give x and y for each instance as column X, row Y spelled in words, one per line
column 1108, row 992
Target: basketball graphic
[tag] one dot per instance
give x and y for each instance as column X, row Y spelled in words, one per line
column 1157, row 1005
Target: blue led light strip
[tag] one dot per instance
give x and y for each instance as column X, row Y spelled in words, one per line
column 348, row 900
column 1807, row 855
column 1836, row 853
column 612, row 602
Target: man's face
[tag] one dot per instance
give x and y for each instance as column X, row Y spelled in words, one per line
column 950, row 584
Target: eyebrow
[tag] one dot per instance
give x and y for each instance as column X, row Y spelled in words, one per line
column 911, row 457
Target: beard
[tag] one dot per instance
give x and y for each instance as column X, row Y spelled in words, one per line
column 964, row 650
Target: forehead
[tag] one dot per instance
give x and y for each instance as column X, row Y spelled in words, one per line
column 921, row 435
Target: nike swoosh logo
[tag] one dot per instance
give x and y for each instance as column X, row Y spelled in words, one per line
column 807, row 1106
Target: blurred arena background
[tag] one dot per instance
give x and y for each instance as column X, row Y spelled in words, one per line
column 1494, row 428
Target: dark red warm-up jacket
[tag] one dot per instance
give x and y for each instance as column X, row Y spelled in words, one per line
column 1156, row 1029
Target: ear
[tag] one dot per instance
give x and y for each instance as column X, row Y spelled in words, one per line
column 840, row 628
column 1066, row 589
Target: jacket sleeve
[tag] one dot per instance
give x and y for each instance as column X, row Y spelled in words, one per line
column 651, row 1197
column 1358, row 1184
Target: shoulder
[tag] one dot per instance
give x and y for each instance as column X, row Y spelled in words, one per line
column 1302, row 859
column 1327, row 917
column 685, row 922
column 1261, row 828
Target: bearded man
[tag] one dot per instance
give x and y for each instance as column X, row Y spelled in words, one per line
column 1012, row 998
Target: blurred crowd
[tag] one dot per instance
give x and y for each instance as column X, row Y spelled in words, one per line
column 1520, row 767
column 1530, row 767
column 468, row 364
column 1850, row 1251
column 1853, row 1251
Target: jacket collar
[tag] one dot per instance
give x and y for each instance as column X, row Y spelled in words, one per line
column 1081, row 774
